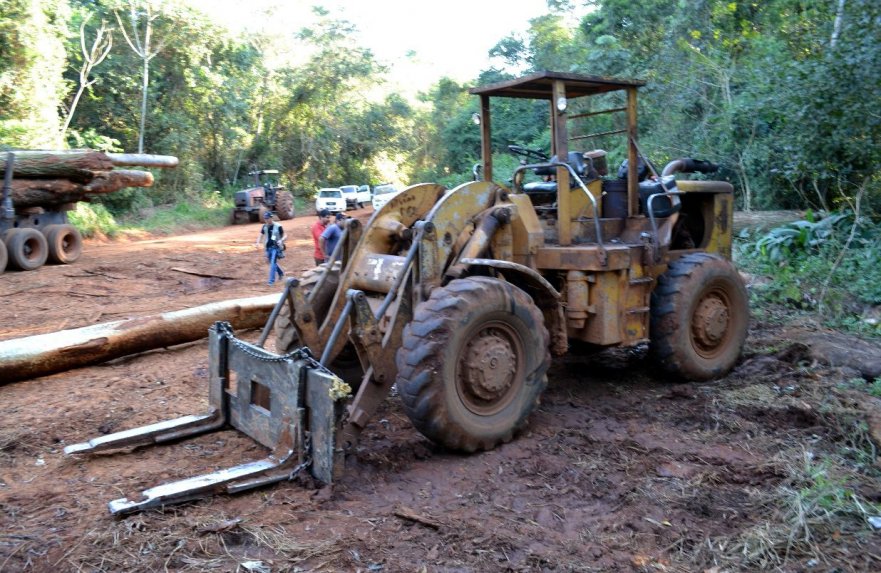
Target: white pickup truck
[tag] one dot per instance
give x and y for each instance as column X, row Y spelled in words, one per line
column 330, row 198
column 356, row 197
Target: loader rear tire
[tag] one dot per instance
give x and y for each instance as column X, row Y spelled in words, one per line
column 473, row 363
column 4, row 256
column 284, row 205
column 699, row 317
column 27, row 248
column 65, row 243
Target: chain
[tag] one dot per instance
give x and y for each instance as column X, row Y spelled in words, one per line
column 302, row 353
column 307, row 460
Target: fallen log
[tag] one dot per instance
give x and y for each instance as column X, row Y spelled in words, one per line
column 48, row 192
column 33, row 356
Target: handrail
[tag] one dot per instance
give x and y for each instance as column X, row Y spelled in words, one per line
column 591, row 198
column 648, row 207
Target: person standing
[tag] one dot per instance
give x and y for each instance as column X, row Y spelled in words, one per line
column 331, row 236
column 274, row 234
column 317, row 228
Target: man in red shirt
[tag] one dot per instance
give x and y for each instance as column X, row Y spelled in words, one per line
column 318, row 228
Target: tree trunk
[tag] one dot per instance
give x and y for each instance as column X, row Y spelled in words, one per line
column 144, row 98
column 34, row 356
column 836, row 27
column 49, row 192
column 74, row 165
column 143, row 160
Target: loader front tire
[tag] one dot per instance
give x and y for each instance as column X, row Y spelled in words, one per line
column 473, row 363
column 286, row 338
column 699, row 317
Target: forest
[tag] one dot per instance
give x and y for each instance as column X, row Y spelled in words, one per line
column 782, row 94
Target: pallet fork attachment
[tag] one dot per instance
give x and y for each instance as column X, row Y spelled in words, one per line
column 290, row 404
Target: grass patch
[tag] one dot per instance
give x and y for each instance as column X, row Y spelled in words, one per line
column 204, row 211
column 806, row 518
column 826, row 269
column 93, row 220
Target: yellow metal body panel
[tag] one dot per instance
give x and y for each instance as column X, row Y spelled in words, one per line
column 715, row 202
column 455, row 212
column 527, row 235
column 582, row 207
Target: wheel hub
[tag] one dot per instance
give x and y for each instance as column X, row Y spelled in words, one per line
column 710, row 322
column 489, row 366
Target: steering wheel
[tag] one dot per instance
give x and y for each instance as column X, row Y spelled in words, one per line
column 529, row 153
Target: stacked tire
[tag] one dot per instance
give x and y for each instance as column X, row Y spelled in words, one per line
column 27, row 248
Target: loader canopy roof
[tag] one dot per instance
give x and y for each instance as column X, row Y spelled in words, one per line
column 557, row 88
column 539, row 86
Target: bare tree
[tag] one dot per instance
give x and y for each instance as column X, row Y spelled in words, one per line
column 91, row 59
column 836, row 28
column 139, row 42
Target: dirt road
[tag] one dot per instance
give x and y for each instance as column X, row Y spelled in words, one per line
column 618, row 470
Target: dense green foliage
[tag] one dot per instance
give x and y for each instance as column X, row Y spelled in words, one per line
column 782, row 94
column 821, row 265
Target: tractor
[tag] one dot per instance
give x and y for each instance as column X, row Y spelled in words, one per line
column 265, row 195
column 460, row 297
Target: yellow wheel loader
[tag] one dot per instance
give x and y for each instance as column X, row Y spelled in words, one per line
column 460, row 297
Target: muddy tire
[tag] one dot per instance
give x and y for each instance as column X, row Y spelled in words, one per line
column 286, row 338
column 27, row 248
column 346, row 365
column 4, row 256
column 284, row 205
column 238, row 217
column 699, row 317
column 65, row 243
column 473, row 363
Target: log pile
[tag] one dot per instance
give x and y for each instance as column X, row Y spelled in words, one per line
column 50, row 179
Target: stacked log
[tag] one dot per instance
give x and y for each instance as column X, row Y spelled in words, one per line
column 50, row 179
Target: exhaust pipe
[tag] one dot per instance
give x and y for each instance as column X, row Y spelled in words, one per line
column 689, row 165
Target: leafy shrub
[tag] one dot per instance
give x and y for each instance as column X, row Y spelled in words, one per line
column 811, row 233
column 93, row 219
column 829, row 266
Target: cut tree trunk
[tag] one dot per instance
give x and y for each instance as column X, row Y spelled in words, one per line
column 143, row 160
column 33, row 356
column 47, row 192
column 77, row 166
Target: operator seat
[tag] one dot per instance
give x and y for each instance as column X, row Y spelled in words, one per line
column 540, row 189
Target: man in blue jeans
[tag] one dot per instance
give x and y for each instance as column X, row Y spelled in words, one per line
column 274, row 234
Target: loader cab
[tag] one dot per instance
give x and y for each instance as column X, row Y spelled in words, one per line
column 568, row 97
